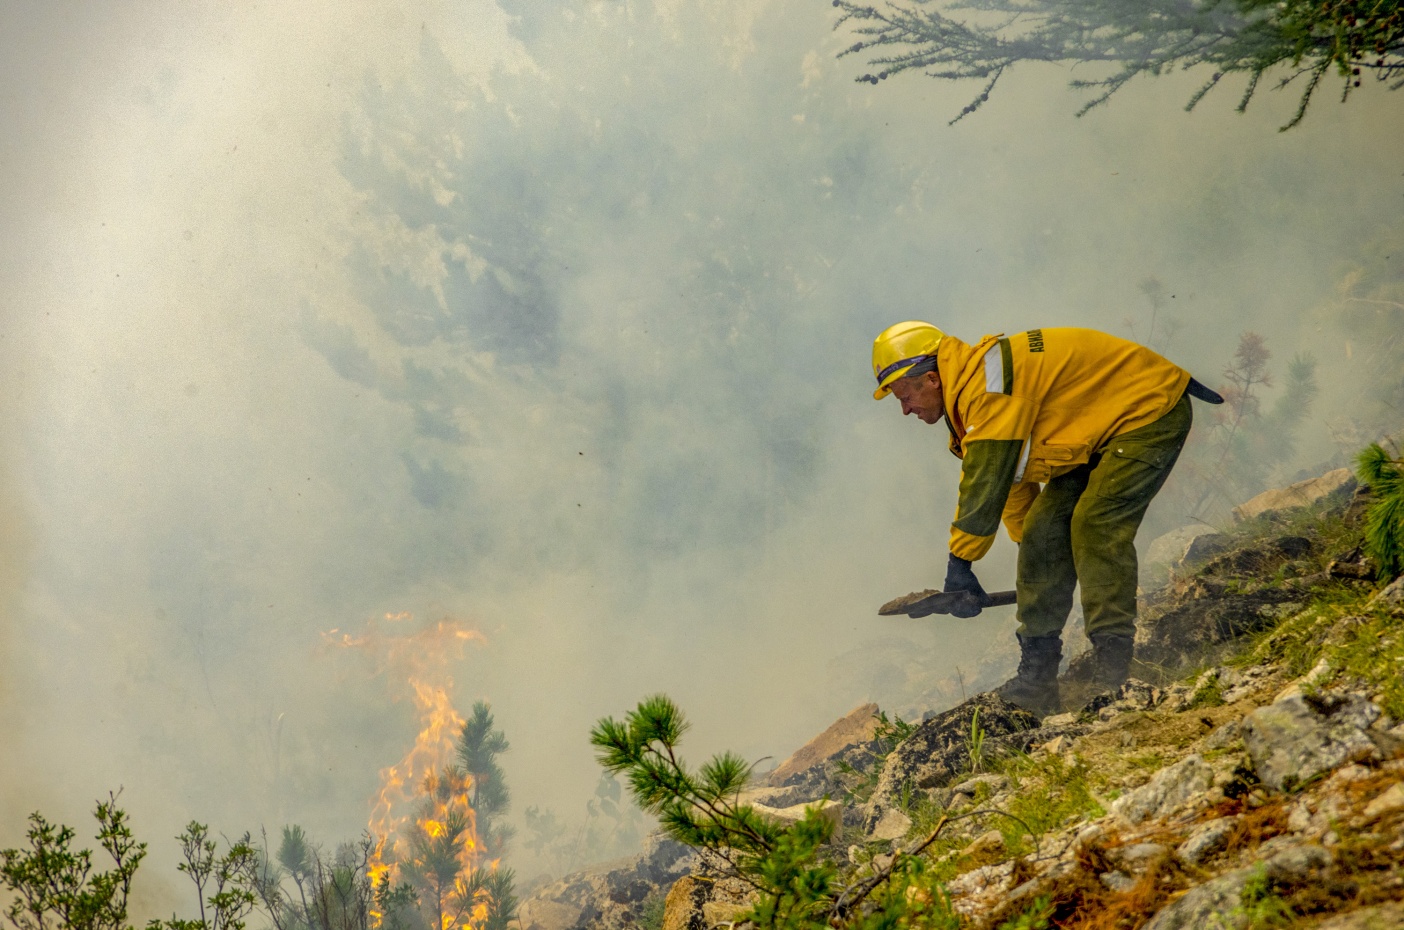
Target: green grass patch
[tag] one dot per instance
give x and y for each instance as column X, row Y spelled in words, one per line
column 1049, row 793
column 1260, row 905
column 1363, row 647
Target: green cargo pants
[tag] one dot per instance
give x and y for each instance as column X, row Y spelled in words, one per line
column 1082, row 529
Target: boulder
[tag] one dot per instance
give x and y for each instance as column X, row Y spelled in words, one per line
column 541, row 914
column 994, row 782
column 893, row 825
column 1204, row 546
column 853, row 729
column 989, row 843
column 1387, row 803
column 704, row 901
column 682, row 909
column 940, row 748
column 1381, row 917
column 1170, row 789
column 1170, row 548
column 1207, row 840
column 716, row 913
column 611, row 896
column 1293, row 740
column 789, row 816
column 789, row 795
column 1301, row 494
column 1216, row 903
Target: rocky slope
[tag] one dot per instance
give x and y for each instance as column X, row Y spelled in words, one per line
column 1250, row 775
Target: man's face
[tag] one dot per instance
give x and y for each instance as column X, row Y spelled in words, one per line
column 922, row 396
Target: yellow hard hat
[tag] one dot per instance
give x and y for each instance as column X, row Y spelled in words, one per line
column 898, row 348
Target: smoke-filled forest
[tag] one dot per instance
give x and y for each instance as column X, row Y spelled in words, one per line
column 394, row 388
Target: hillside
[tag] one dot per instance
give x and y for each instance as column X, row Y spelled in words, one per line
column 1250, row 775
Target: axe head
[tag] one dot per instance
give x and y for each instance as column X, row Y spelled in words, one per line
column 925, row 603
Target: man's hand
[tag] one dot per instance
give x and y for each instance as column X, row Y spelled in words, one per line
column 960, row 577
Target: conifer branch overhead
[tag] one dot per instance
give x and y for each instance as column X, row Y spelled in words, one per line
column 981, row 39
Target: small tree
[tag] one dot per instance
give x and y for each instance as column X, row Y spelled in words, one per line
column 56, row 887
column 982, row 39
column 223, row 883
column 798, row 886
column 329, row 892
column 1384, row 521
column 479, row 745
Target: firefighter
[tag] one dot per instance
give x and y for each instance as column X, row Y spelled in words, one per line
column 1065, row 435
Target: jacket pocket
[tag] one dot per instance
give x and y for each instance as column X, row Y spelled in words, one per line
column 1064, row 453
column 1055, row 458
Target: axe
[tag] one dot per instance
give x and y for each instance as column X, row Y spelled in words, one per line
column 925, row 603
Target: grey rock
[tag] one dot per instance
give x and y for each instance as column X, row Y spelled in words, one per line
column 832, row 811
column 856, row 729
column 1170, row 547
column 1392, row 595
column 1204, row 546
column 980, row 880
column 1138, row 695
column 1338, row 482
column 939, row 748
column 788, row 796
column 1223, row 737
column 1167, row 791
column 1182, row 628
column 715, row 913
column 1214, row 904
column 1117, row 881
column 1293, row 740
column 609, row 896
column 1299, row 820
column 1391, row 800
column 970, row 785
column 1206, row 840
column 1137, row 856
column 1382, row 917
column 1296, row 864
column 893, row 825
column 546, row 914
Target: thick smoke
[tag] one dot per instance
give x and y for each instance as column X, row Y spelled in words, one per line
column 552, row 318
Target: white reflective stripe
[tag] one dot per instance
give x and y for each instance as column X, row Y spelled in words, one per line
column 1023, row 460
column 994, row 370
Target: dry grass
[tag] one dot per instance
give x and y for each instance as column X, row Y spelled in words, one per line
column 1257, row 825
column 1079, row 900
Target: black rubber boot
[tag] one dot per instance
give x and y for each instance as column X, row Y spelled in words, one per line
column 1111, row 661
column 1035, row 686
column 1101, row 669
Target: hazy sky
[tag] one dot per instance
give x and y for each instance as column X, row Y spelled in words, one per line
column 554, row 319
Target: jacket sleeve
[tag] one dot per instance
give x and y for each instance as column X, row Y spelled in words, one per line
column 998, row 426
column 986, row 476
column 1016, row 508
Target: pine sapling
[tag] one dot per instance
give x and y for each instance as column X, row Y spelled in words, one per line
column 1384, row 521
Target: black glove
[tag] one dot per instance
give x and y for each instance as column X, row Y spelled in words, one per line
column 960, row 577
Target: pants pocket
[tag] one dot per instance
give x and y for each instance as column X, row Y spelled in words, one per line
column 1132, row 473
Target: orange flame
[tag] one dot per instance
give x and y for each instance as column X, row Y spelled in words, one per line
column 420, row 795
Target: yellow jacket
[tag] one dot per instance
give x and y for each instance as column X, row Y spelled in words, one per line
column 1032, row 406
